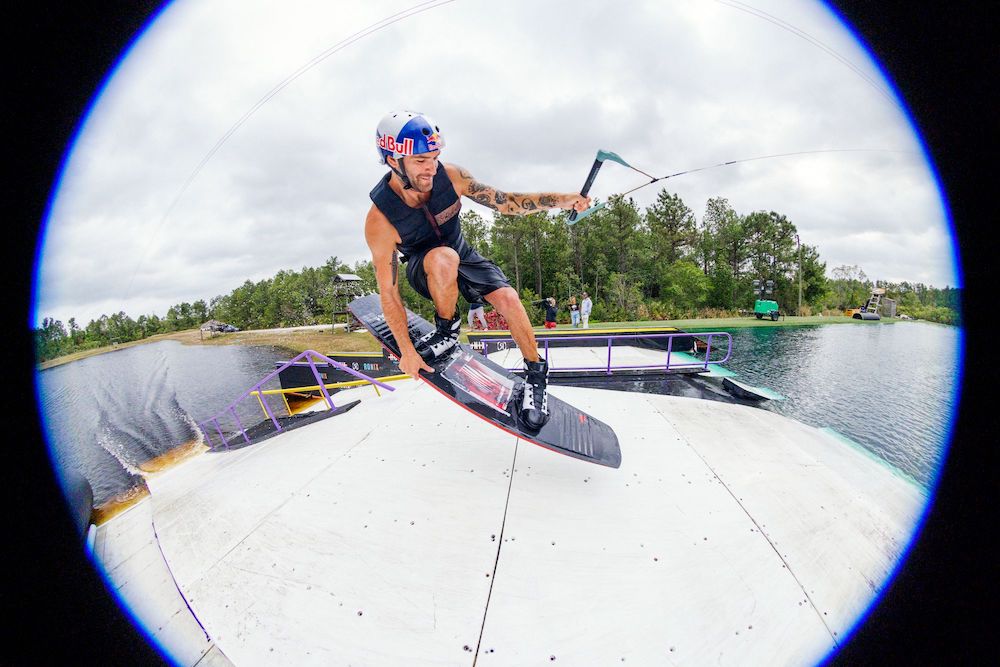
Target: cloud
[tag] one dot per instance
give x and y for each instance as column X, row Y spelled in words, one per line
column 236, row 138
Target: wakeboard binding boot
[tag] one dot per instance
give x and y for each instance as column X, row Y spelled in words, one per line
column 534, row 400
column 436, row 344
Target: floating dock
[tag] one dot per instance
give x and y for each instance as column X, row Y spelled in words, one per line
column 408, row 532
column 574, row 348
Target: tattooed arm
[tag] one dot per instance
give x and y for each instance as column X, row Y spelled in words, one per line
column 511, row 203
column 382, row 238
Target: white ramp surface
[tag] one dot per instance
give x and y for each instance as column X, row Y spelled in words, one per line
column 130, row 556
column 410, row 532
column 369, row 538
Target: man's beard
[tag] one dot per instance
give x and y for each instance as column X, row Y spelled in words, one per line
column 420, row 185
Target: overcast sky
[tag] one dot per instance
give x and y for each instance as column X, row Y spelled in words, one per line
column 236, row 138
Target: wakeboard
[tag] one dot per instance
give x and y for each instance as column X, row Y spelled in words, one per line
column 491, row 392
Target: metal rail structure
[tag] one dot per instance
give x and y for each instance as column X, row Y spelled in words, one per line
column 684, row 364
column 259, row 393
column 315, row 387
column 675, row 362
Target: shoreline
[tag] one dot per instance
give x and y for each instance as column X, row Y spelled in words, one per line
column 324, row 338
column 295, row 339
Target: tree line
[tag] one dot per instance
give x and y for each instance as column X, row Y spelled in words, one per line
column 653, row 264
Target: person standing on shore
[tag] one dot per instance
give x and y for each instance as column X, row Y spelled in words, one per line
column 574, row 312
column 477, row 313
column 550, row 311
column 585, row 307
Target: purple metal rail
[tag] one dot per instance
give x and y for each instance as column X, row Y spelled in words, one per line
column 612, row 337
column 308, row 354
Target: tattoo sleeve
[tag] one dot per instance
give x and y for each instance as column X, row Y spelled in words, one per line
column 510, row 203
column 394, row 263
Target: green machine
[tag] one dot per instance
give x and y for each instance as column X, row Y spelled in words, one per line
column 763, row 307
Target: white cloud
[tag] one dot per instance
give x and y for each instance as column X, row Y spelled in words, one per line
column 525, row 92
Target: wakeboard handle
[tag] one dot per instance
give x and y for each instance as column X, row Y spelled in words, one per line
column 589, row 182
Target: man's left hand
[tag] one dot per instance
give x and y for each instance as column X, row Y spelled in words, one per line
column 576, row 202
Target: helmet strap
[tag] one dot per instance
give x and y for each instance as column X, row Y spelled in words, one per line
column 401, row 173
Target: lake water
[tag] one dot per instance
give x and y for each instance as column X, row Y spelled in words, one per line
column 110, row 415
column 890, row 387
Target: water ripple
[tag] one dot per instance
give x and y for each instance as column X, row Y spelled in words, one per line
column 106, row 416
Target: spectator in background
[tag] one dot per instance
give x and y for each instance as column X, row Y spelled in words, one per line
column 550, row 311
column 585, row 307
column 476, row 312
column 574, row 312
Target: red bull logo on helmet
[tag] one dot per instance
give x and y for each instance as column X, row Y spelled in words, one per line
column 433, row 142
column 389, row 143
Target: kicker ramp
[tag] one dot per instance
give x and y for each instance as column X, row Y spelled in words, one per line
column 407, row 531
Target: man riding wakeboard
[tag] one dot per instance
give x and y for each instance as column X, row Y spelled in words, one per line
column 414, row 219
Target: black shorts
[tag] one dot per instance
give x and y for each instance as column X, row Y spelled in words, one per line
column 477, row 276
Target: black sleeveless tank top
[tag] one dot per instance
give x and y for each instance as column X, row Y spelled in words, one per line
column 434, row 224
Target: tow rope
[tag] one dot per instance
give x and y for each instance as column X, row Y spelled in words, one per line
column 603, row 155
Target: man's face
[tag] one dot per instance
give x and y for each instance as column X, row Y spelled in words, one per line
column 420, row 169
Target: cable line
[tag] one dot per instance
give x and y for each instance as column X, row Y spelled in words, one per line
column 344, row 43
column 784, row 25
column 603, row 155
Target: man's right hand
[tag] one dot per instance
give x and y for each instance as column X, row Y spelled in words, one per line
column 412, row 363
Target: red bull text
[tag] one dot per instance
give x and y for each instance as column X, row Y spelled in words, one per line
column 389, row 143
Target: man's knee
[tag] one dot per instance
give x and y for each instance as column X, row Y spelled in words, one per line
column 441, row 262
column 504, row 299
